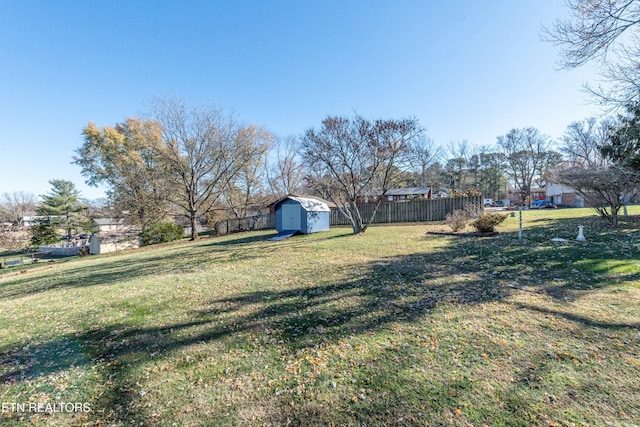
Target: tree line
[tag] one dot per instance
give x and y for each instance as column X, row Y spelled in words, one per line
column 202, row 162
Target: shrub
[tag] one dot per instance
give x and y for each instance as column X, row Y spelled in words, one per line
column 161, row 232
column 487, row 221
column 473, row 211
column 457, row 220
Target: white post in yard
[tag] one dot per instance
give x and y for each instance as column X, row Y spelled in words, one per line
column 580, row 237
column 520, row 230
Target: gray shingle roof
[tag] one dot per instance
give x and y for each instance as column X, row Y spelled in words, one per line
column 108, row 221
column 408, row 191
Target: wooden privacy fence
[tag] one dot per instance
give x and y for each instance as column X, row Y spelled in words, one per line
column 409, row 210
column 406, row 211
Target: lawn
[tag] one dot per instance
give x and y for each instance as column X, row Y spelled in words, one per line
column 394, row 327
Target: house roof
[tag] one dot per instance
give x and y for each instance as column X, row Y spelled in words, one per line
column 308, row 203
column 407, row 191
column 108, row 221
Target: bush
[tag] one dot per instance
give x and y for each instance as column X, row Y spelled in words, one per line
column 457, row 220
column 473, row 211
column 161, row 232
column 487, row 221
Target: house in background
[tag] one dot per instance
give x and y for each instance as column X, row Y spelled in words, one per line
column 562, row 195
column 399, row 194
column 538, row 193
column 109, row 225
column 32, row 221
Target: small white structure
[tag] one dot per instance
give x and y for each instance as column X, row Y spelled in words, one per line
column 100, row 243
column 580, row 237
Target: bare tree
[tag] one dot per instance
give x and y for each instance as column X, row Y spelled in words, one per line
column 17, row 205
column 285, row 171
column 582, row 142
column 605, row 188
column 603, row 30
column 14, row 239
column 423, row 153
column 204, row 149
column 247, row 187
column 527, row 155
column 348, row 159
column 459, row 167
column 4, row 215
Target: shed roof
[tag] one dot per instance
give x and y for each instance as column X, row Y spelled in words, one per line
column 310, row 204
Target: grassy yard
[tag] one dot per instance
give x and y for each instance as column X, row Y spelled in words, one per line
column 396, row 327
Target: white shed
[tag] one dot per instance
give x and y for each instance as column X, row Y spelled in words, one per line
column 102, row 243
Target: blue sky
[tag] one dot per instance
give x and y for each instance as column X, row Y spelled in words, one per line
column 467, row 69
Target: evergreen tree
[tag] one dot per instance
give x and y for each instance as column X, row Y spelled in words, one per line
column 623, row 146
column 44, row 233
column 63, row 203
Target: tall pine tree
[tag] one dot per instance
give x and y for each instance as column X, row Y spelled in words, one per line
column 63, row 203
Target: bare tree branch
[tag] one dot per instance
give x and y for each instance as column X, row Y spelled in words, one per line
column 348, row 159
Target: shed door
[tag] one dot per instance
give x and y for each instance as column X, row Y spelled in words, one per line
column 290, row 217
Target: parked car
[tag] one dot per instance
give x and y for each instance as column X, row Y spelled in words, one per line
column 542, row 204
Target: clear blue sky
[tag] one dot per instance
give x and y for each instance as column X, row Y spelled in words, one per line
column 466, row 69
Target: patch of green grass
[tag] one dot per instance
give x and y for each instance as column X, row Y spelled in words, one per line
column 394, row 327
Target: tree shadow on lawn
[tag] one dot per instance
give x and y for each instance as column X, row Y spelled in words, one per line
column 402, row 289
column 178, row 262
column 239, row 240
column 564, row 270
column 297, row 239
column 576, row 318
column 391, row 290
